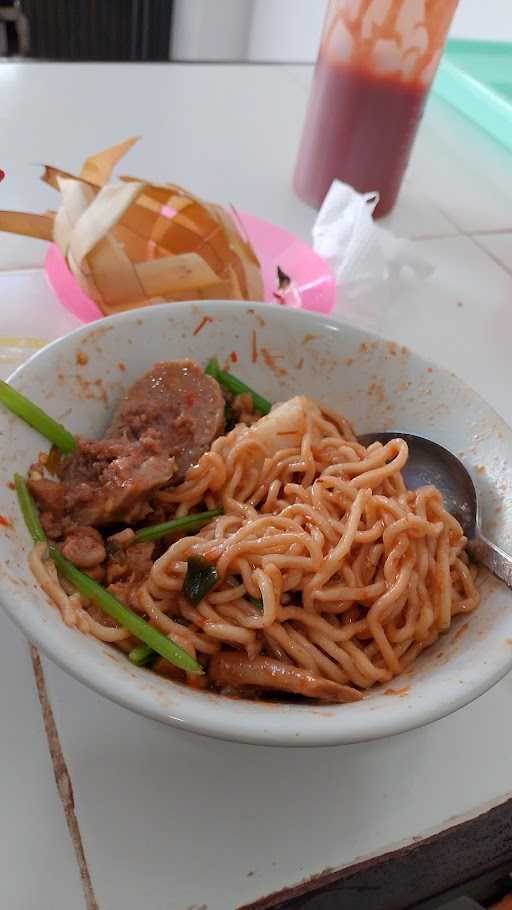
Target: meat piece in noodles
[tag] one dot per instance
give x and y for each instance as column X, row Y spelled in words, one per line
column 106, row 480
column 238, row 671
column 118, row 479
column 163, row 425
column 179, row 405
column 132, row 564
column 84, row 547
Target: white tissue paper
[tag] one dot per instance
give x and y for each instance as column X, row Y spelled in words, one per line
column 360, row 253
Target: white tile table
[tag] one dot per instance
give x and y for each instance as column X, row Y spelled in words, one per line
column 167, row 820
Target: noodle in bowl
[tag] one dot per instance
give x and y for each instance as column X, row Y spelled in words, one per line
column 342, row 573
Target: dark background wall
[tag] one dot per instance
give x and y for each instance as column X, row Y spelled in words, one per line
column 95, row 29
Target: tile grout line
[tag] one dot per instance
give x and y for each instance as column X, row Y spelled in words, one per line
column 490, row 232
column 463, row 232
column 472, row 236
column 503, row 265
column 63, row 781
column 418, row 238
column 449, row 218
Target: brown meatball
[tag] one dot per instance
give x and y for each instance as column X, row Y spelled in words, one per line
column 179, row 405
column 167, row 420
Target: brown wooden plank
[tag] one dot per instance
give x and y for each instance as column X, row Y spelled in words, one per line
column 403, row 878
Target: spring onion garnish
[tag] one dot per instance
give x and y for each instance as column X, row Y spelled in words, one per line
column 100, row 596
column 29, row 510
column 123, row 615
column 33, row 415
column 256, row 602
column 236, row 386
column 153, row 532
column 142, row 655
column 201, row 577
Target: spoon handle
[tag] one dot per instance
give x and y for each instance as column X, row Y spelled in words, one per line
column 492, row 557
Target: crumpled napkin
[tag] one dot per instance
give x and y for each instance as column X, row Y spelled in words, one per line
column 360, row 253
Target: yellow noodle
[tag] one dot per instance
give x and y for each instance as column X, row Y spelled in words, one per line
column 351, row 575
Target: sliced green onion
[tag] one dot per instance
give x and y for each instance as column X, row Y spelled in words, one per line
column 236, row 386
column 29, row 510
column 153, row 532
column 36, row 418
column 142, row 655
column 213, row 369
column 201, row 577
column 256, row 602
column 123, row 615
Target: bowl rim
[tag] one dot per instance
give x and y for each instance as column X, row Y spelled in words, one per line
column 276, row 729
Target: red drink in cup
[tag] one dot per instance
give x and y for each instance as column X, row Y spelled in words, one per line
column 375, row 66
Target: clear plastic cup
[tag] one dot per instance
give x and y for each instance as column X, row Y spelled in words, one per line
column 375, row 66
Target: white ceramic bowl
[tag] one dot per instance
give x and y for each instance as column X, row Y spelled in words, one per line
column 378, row 386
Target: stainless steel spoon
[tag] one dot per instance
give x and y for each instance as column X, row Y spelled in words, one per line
column 431, row 463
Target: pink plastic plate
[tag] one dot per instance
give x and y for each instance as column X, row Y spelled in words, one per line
column 311, row 276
